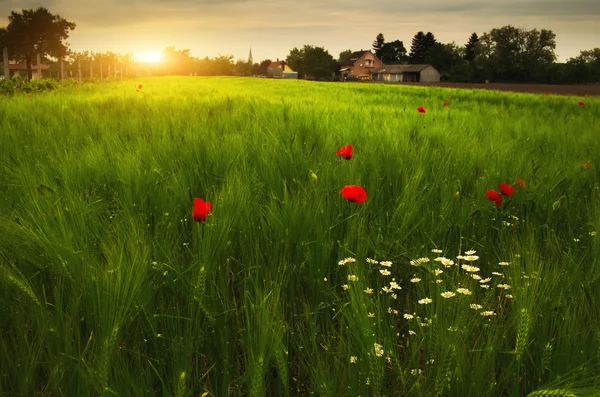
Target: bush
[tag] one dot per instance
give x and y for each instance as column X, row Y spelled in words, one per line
column 18, row 84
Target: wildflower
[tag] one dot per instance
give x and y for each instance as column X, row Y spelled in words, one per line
column 389, row 310
column 408, row 316
column 342, row 262
column 371, row 315
column 484, row 286
column 547, row 94
column 587, row 166
column 372, row 261
column 354, row 194
column 369, row 290
column 459, row 257
column 350, row 260
column 447, row 262
column 445, row 103
column 440, row 258
column 476, row 277
column 314, row 177
column 488, row 313
column 421, row 109
column 509, row 296
column 345, row 152
column 415, row 371
column 504, row 263
column 592, row 234
column 378, row 349
column 201, row 209
column 507, row 224
column 470, row 269
column 394, row 296
column 325, row 279
column 394, row 285
column 436, row 251
column 385, row 272
column 475, row 306
column 388, row 359
column 471, row 258
column 140, row 86
column 415, row 280
column 438, row 272
column 346, row 287
column 504, row 286
column 485, row 280
column 576, row 239
column 580, row 103
column 506, row 189
column 463, row 291
column 352, row 277
column 438, row 281
column 471, row 252
column 457, row 194
column 498, row 274
column 493, row 195
column 448, row 294
column 521, row 183
column 353, row 359
column 386, row 263
column 425, row 301
column 411, row 332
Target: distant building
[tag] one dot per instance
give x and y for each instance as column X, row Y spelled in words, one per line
column 250, row 60
column 360, row 65
column 280, row 69
column 407, row 73
column 20, row 69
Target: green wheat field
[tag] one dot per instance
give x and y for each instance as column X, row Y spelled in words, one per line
column 108, row 287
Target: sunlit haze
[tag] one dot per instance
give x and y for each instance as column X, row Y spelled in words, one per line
column 148, row 56
column 271, row 28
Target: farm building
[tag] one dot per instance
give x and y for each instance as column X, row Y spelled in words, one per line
column 407, row 73
column 19, row 69
column 281, row 69
column 360, row 64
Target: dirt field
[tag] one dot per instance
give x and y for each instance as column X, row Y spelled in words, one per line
column 576, row 90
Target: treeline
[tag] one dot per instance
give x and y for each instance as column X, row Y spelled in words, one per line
column 506, row 54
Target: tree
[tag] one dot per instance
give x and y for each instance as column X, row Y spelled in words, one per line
column 313, row 62
column 393, row 52
column 420, row 45
column 177, row 62
column 378, row 45
column 262, row 67
column 344, row 54
column 470, row 47
column 33, row 32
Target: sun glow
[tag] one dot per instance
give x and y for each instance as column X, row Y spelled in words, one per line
column 148, row 56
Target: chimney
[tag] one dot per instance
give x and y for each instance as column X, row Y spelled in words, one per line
column 277, row 59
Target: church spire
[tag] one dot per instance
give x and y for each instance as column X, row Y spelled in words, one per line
column 250, row 60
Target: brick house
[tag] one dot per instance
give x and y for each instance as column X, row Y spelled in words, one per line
column 360, row 65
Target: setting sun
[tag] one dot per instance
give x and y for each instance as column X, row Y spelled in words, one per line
column 152, row 56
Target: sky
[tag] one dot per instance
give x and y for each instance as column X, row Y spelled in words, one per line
column 272, row 28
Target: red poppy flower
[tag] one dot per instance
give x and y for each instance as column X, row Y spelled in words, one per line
column 506, row 189
column 580, row 103
column 345, row 152
column 421, row 109
column 493, row 195
column 354, row 194
column 547, row 94
column 140, row 86
column 521, row 183
column 587, row 166
column 137, row 90
column 201, row 209
column 445, row 103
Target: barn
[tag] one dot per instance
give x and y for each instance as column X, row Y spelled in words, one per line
column 407, row 73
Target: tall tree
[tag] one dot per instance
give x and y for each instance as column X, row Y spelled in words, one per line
column 344, row 54
column 421, row 43
column 36, row 31
column 393, row 52
column 378, row 45
column 311, row 61
column 470, row 47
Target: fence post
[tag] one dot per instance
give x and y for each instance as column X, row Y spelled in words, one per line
column 91, row 68
column 102, row 71
column 39, row 66
column 62, row 69
column 79, row 69
column 5, row 60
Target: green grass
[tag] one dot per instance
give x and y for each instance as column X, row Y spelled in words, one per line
column 108, row 287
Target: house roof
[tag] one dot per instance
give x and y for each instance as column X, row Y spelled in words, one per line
column 20, row 66
column 351, row 59
column 277, row 64
column 402, row 68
